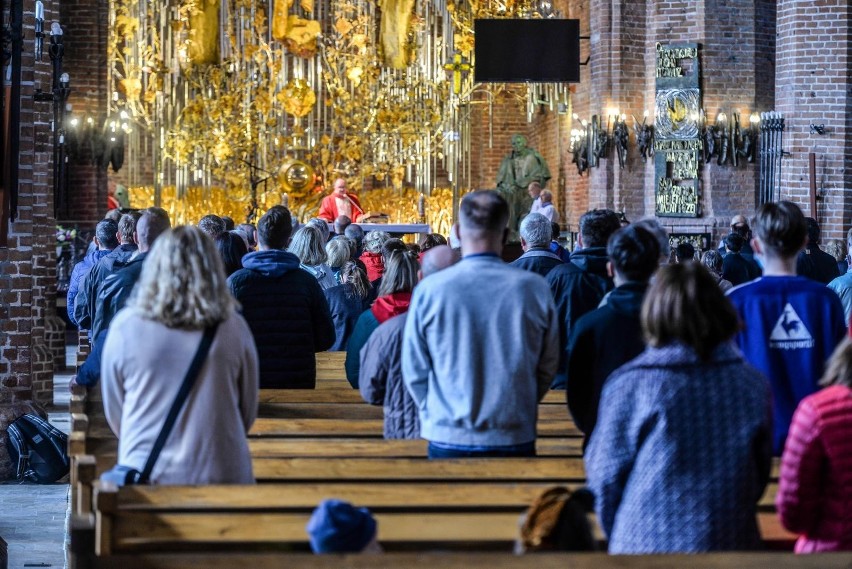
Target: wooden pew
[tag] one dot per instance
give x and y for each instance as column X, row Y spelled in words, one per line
column 444, row 515
column 468, row 560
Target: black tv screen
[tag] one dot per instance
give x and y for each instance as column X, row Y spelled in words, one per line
column 535, row 51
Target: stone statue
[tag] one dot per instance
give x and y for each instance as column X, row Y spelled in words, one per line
column 517, row 170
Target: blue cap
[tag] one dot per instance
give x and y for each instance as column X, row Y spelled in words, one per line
column 338, row 527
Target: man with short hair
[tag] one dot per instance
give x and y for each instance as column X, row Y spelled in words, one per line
column 284, row 307
column 580, row 284
column 116, row 288
column 354, row 232
column 534, row 190
column 813, row 262
column 792, row 323
column 85, row 303
column 535, row 241
column 611, row 335
column 547, row 208
column 105, row 239
column 212, row 225
column 340, row 202
column 842, row 285
column 555, row 247
column 736, row 268
column 684, row 252
column 481, row 344
column 340, row 224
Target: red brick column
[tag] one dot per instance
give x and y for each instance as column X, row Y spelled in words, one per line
column 813, row 87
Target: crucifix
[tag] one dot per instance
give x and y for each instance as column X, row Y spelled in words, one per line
column 460, row 67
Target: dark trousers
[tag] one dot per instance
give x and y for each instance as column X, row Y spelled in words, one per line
column 521, row 450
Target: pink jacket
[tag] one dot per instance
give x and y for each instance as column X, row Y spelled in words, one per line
column 815, row 491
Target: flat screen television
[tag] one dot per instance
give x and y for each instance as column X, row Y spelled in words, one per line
column 519, row 51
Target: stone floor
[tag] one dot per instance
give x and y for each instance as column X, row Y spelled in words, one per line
column 33, row 517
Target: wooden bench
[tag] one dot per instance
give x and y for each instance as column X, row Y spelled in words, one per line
column 467, row 560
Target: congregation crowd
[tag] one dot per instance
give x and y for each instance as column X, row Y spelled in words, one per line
column 686, row 371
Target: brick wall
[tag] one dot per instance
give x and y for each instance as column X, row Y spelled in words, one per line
column 813, row 86
column 27, row 265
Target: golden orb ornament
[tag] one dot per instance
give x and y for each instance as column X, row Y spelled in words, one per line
column 295, row 175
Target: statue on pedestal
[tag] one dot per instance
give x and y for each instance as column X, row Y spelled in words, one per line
column 521, row 167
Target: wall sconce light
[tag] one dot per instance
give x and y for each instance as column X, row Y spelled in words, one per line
column 644, row 137
column 620, row 138
column 39, row 29
column 579, row 146
column 818, row 128
column 104, row 142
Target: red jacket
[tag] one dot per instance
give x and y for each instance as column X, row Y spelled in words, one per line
column 374, row 263
column 815, row 490
column 328, row 208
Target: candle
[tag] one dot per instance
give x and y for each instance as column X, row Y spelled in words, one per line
column 39, row 10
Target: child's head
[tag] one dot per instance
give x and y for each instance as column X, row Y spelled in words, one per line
column 556, row 521
column 339, row 527
column 781, row 229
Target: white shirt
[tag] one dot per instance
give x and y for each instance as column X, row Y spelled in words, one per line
column 548, row 211
column 536, row 205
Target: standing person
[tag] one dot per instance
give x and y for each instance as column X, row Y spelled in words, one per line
column 181, row 292
column 381, row 362
column 340, row 202
column 842, row 285
column 535, row 241
column 480, row 345
column 340, row 224
column 105, row 240
column 284, row 307
column 394, row 298
column 792, row 324
column 712, row 259
column 815, row 487
column 232, row 247
column 681, row 452
column 339, row 252
column 611, row 335
column 547, row 208
column 347, row 302
column 813, row 262
column 534, row 190
column 736, row 268
column 308, row 245
column 579, row 285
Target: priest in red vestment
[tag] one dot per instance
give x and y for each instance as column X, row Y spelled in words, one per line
column 340, row 203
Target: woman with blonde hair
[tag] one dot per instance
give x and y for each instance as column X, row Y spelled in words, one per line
column 682, row 449
column 308, row 245
column 181, row 295
column 339, row 252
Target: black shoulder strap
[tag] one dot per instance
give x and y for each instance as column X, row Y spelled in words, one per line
column 183, row 392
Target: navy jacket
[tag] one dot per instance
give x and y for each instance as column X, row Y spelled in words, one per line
column 288, row 316
column 345, row 306
column 537, row 260
column 600, row 342
column 739, row 270
column 578, row 287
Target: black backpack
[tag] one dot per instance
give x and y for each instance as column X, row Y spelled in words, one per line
column 38, row 449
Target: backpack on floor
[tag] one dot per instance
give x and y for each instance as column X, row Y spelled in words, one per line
column 38, row 450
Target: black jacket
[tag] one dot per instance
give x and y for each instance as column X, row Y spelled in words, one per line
column 578, row 287
column 738, row 269
column 114, row 292
column 537, row 260
column 288, row 316
column 600, row 342
column 816, row 264
column 85, row 305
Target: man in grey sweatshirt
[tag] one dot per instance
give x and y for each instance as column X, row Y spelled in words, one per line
column 481, row 344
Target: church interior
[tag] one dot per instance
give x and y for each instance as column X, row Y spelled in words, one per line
column 690, row 112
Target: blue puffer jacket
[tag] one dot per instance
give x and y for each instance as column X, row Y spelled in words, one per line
column 288, row 316
column 346, row 307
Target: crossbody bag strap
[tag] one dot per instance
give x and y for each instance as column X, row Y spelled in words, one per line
column 180, row 399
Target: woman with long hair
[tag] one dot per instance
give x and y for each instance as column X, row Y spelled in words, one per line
column 308, row 244
column 232, row 248
column 347, row 302
column 394, row 296
column 339, row 253
column 682, row 449
column 815, row 487
column 181, row 292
